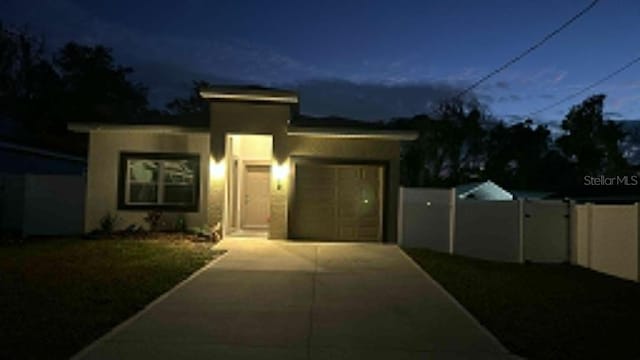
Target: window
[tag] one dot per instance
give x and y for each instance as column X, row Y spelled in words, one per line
column 159, row 181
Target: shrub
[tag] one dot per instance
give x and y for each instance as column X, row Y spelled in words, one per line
column 108, row 223
column 203, row 232
column 181, row 224
column 153, row 219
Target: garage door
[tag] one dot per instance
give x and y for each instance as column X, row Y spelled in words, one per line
column 337, row 202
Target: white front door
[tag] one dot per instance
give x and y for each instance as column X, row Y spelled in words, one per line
column 256, row 196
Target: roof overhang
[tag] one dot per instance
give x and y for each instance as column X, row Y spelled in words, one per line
column 88, row 127
column 43, row 152
column 397, row 135
column 240, row 94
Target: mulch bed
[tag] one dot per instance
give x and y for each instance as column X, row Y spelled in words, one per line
column 153, row 235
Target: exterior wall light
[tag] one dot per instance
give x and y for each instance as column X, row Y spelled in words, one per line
column 280, row 173
column 216, row 169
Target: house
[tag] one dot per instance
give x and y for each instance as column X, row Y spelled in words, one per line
column 530, row 194
column 249, row 171
column 17, row 158
column 486, row 190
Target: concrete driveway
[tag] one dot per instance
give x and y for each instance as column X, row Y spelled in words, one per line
column 270, row 299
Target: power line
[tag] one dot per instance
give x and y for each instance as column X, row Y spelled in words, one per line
column 529, row 50
column 589, row 87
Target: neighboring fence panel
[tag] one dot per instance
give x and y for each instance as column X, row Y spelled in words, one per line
column 546, row 231
column 611, row 239
column 11, row 203
column 488, row 230
column 425, row 218
column 54, row 205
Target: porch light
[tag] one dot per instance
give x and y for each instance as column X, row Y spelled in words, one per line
column 216, row 169
column 280, row 173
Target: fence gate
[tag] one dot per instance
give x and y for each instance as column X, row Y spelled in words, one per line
column 546, row 231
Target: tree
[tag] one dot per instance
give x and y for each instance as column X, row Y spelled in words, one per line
column 516, row 155
column 81, row 84
column 449, row 149
column 590, row 142
column 192, row 105
column 29, row 85
column 193, row 110
column 460, row 136
column 95, row 88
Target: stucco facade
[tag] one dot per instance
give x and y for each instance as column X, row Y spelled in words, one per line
column 237, row 113
column 228, row 117
column 105, row 147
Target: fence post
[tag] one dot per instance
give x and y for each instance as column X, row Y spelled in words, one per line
column 452, row 219
column 521, row 229
column 572, row 233
column 400, row 219
column 589, row 228
column 638, row 244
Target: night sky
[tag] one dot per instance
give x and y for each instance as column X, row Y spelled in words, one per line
column 362, row 59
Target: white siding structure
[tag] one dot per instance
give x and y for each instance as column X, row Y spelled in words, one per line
column 42, row 204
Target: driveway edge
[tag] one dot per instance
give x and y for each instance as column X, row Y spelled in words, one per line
column 457, row 303
column 148, row 307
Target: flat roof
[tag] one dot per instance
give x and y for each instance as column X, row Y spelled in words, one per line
column 350, row 133
column 87, row 127
column 38, row 151
column 249, row 93
column 319, row 132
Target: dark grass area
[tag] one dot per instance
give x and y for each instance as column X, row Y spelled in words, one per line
column 57, row 296
column 542, row 311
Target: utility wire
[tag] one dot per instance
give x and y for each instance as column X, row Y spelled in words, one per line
column 589, row 87
column 529, row 50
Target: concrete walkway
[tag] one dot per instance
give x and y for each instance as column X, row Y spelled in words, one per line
column 270, row 299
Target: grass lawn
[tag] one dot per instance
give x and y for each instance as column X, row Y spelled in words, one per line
column 57, row 296
column 544, row 311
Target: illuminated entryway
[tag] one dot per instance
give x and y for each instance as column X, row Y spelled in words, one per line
column 248, row 185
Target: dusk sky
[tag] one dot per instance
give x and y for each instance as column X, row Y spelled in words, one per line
column 362, row 59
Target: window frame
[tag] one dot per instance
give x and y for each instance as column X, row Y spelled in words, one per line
column 123, row 181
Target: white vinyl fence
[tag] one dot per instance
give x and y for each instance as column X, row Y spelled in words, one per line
column 42, row 204
column 488, row 230
column 422, row 209
column 513, row 230
column 546, row 230
column 605, row 238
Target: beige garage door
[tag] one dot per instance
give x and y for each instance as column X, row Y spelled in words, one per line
column 337, row 202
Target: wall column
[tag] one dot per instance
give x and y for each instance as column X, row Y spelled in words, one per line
column 280, row 186
column 217, row 172
column 452, row 220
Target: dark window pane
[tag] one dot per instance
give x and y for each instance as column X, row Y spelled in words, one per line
column 158, row 181
column 179, row 194
column 143, row 171
column 179, row 171
column 143, row 193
